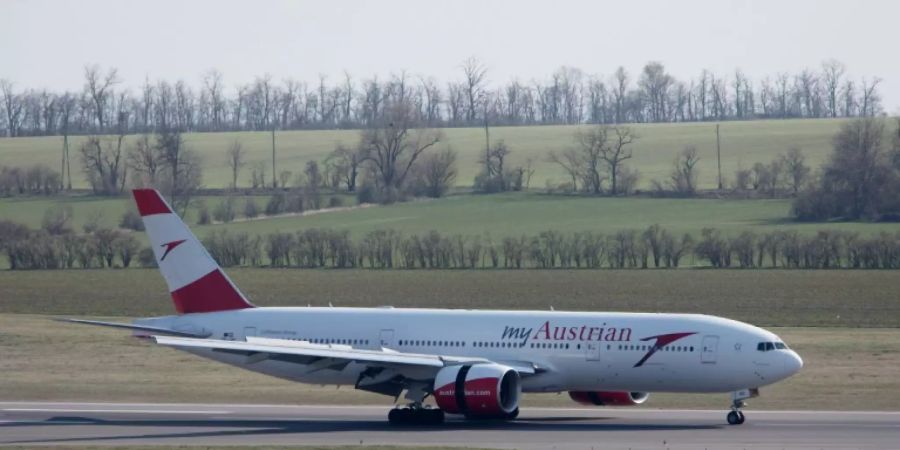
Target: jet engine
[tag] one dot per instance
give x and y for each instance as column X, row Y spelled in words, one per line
column 480, row 390
column 602, row 398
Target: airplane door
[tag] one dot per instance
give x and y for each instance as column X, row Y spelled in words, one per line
column 592, row 351
column 387, row 338
column 708, row 349
column 249, row 332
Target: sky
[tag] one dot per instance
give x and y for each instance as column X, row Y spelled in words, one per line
column 47, row 43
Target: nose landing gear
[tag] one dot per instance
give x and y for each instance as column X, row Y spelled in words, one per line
column 736, row 416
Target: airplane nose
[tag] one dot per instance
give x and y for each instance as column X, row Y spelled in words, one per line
column 793, row 363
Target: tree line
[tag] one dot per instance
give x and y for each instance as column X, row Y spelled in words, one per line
column 567, row 96
column 55, row 246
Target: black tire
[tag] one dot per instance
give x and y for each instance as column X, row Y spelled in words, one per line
column 406, row 416
column 513, row 415
column 396, row 417
column 741, row 417
column 432, row 416
column 734, row 418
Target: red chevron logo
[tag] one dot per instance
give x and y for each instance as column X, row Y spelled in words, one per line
column 169, row 247
column 662, row 340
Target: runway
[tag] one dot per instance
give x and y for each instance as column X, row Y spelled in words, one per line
column 80, row 424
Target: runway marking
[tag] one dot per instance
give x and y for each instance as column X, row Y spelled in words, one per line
column 388, row 406
column 123, row 411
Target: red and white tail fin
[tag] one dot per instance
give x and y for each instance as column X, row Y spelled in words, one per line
column 196, row 281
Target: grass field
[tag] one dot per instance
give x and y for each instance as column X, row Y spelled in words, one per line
column 500, row 215
column 844, row 369
column 834, row 298
column 743, row 144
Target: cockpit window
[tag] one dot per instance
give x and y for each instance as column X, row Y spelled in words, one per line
column 769, row 346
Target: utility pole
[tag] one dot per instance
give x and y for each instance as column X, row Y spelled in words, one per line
column 274, row 175
column 62, row 163
column 719, row 155
column 487, row 147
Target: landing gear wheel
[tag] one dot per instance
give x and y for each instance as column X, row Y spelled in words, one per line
column 513, row 414
column 735, row 418
column 415, row 416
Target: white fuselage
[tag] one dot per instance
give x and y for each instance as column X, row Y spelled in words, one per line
column 571, row 351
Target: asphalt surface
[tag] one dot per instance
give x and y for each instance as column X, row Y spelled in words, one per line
column 80, row 424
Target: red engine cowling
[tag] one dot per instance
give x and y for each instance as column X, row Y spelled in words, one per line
column 602, row 398
column 481, row 390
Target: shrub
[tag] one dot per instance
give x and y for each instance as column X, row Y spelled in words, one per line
column 145, row 257
column 335, row 202
column 275, row 205
column 203, row 214
column 366, row 194
column 251, row 210
column 224, row 211
column 131, row 220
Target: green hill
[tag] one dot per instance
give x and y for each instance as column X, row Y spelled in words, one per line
column 743, row 144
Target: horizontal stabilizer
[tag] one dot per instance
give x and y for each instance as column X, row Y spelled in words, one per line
column 128, row 326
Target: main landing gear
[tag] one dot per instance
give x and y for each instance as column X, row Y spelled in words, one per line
column 736, row 416
column 416, row 414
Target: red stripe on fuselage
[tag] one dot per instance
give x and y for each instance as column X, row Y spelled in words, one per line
column 211, row 292
column 150, row 202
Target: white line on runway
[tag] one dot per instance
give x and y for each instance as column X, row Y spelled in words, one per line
column 388, row 406
column 122, row 411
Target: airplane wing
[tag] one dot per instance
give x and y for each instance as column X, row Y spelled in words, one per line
column 323, row 356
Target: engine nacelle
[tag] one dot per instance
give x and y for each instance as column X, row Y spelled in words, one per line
column 602, row 398
column 481, row 390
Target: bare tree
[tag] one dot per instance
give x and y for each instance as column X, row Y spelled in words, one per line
column 58, row 219
column 346, row 163
column 235, row 161
column 145, row 161
column 99, row 87
column 620, row 88
column 655, row 83
column 684, row 172
column 258, row 175
column 794, row 164
column 181, row 168
column 212, row 83
column 871, row 101
column 616, row 153
column 392, row 148
column 496, row 157
column 474, row 72
column 570, row 161
column 103, row 162
column 437, row 172
column 312, row 187
column 13, row 106
column 832, row 71
column 592, row 145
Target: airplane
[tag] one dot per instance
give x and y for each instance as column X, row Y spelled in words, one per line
column 473, row 363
